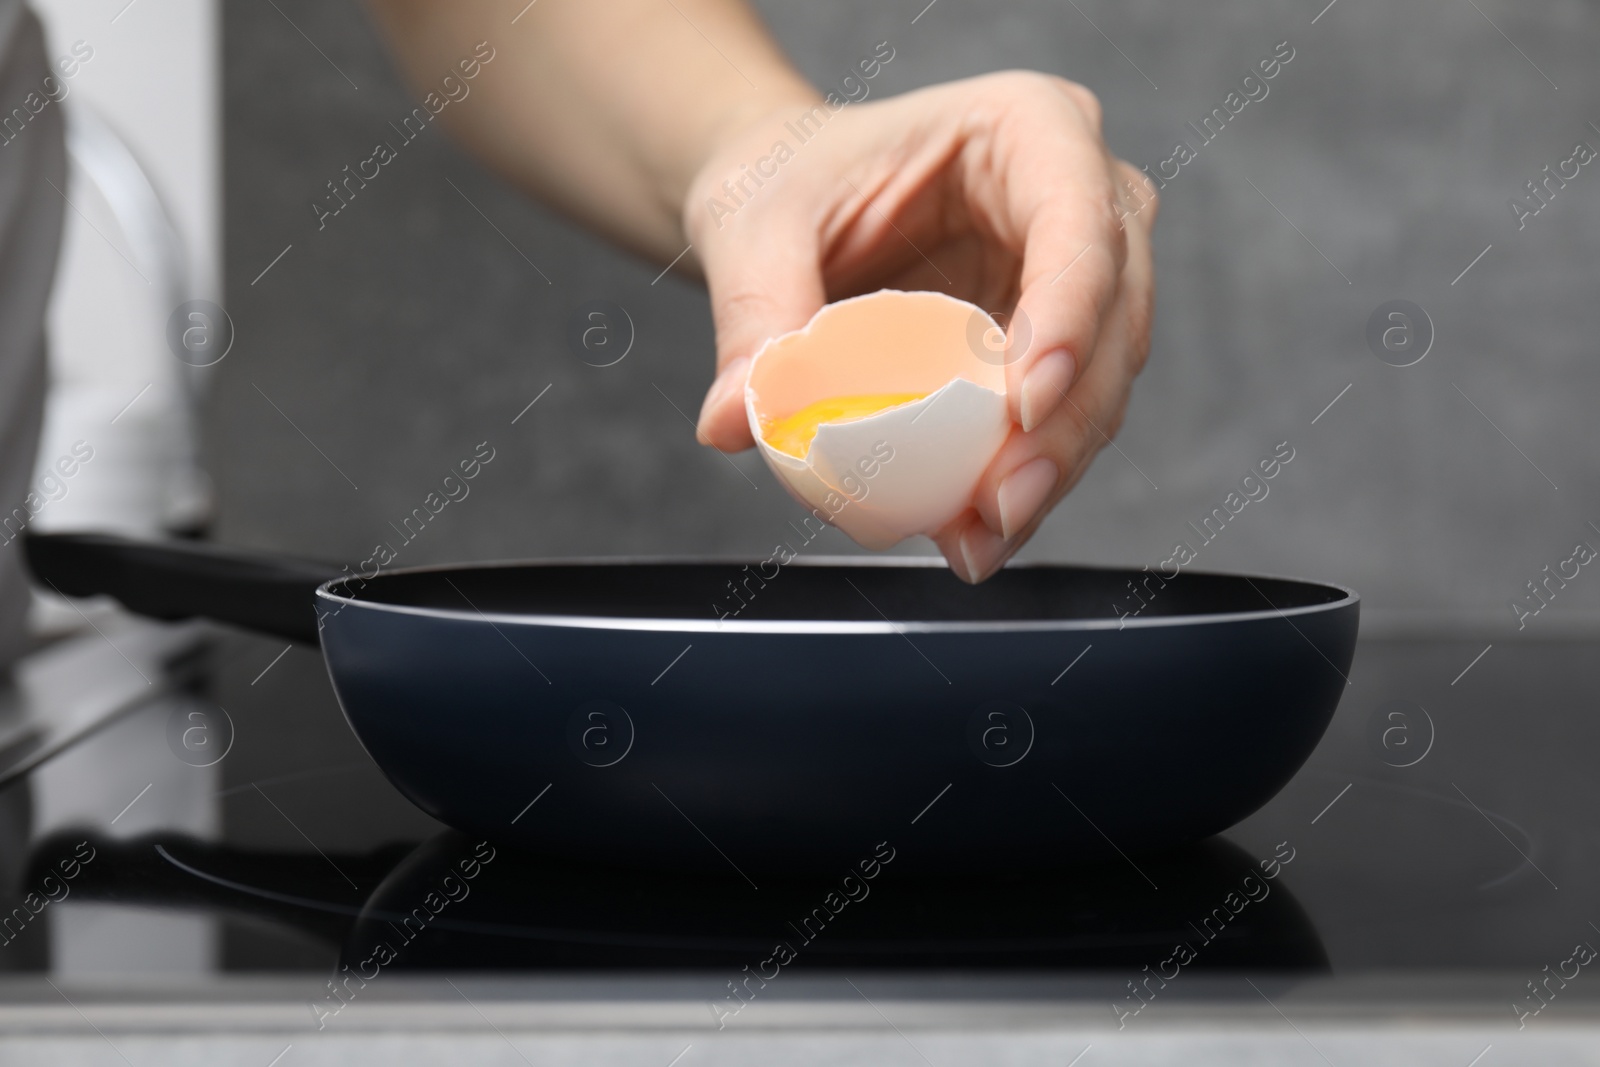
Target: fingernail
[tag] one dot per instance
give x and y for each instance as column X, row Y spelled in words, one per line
column 1045, row 385
column 1023, row 492
column 983, row 551
column 730, row 382
column 959, row 565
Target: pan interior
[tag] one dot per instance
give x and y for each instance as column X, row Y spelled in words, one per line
column 829, row 592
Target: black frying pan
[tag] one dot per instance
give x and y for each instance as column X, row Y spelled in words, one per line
column 604, row 711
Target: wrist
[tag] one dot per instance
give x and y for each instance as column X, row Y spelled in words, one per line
column 714, row 157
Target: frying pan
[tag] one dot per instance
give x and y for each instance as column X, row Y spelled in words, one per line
column 603, row 711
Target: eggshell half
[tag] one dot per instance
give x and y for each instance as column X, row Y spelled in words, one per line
column 886, row 342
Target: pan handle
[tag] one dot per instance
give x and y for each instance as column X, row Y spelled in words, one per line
column 182, row 579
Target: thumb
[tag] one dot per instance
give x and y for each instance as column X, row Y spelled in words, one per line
column 762, row 283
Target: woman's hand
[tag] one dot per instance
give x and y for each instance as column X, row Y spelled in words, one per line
column 632, row 114
column 998, row 190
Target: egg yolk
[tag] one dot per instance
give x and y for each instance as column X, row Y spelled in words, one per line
column 793, row 434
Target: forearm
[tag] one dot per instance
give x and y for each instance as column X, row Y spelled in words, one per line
column 603, row 110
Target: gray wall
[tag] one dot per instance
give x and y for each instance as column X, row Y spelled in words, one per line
column 408, row 330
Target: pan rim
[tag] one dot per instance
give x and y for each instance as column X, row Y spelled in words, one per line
column 818, row 627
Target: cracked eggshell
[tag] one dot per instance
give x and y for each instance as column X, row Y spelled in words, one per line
column 886, row 342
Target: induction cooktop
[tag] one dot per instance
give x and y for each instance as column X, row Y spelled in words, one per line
column 230, row 824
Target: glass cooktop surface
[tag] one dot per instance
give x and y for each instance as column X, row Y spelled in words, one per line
column 234, row 825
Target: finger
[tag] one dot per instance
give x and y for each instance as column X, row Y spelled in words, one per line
column 1071, row 268
column 1040, row 179
column 1033, row 472
column 1017, row 484
column 1137, row 193
column 765, row 279
column 1035, row 469
column 981, row 551
column 949, row 542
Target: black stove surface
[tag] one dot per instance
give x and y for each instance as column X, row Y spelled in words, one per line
column 1447, row 821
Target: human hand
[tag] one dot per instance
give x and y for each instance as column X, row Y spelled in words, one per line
column 997, row 189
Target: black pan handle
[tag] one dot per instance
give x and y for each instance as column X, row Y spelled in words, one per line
column 183, row 579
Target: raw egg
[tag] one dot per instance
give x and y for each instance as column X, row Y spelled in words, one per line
column 793, row 434
column 882, row 412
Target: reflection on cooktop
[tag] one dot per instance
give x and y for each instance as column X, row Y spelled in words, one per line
column 455, row 903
